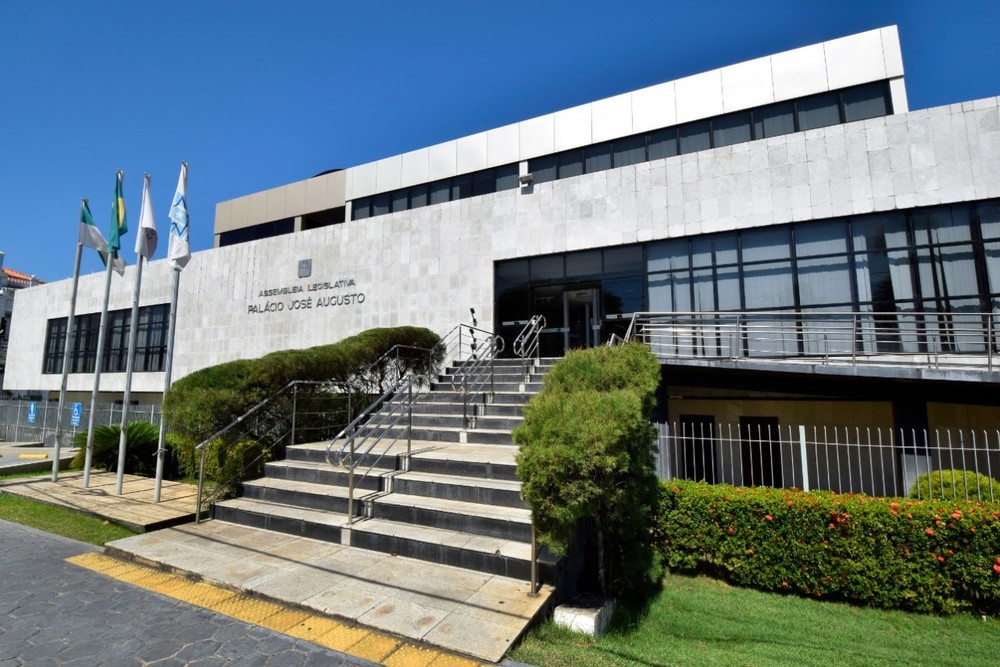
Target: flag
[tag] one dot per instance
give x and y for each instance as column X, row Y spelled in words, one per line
column 119, row 225
column 179, row 250
column 91, row 237
column 145, row 240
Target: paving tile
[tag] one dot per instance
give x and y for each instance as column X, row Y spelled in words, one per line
column 403, row 617
column 472, row 636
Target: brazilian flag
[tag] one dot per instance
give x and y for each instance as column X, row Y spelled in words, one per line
column 118, row 223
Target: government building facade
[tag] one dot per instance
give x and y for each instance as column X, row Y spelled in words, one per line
column 798, row 183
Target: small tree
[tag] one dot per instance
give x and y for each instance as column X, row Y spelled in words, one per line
column 141, row 441
column 586, row 454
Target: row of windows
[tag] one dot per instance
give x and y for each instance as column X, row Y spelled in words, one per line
column 482, row 182
column 150, row 347
column 841, row 106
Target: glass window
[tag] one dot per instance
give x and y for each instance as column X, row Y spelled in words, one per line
column 731, row 129
column 543, row 169
column 825, row 281
column 507, row 177
column 818, row 111
column 547, row 268
column 702, row 251
column 695, row 137
column 774, row 120
column 821, row 238
column 461, row 187
column 381, row 203
column 948, row 224
column 55, row 344
column 361, row 208
column 663, row 143
column 484, row 182
column 765, row 244
column 598, row 157
column 440, row 192
column 623, row 258
column 622, row 296
column 512, row 274
column 571, row 163
column 400, row 200
column 726, row 249
column 667, row 255
column 631, row 150
column 769, row 286
column 989, row 218
column 583, row 264
column 418, row 196
column 868, row 101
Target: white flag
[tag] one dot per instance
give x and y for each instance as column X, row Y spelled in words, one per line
column 145, row 240
column 179, row 251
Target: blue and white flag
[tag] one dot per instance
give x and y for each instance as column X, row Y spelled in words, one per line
column 179, row 250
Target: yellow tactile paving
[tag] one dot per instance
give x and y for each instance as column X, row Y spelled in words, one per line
column 357, row 641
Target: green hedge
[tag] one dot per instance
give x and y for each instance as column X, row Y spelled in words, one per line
column 881, row 552
column 586, row 456
column 207, row 400
column 955, row 485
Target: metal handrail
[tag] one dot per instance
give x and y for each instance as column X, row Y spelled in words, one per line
column 938, row 339
column 471, row 375
column 528, row 344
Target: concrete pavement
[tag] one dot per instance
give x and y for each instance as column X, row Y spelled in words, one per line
column 55, row 613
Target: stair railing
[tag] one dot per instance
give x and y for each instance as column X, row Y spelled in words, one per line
column 527, row 343
column 472, row 352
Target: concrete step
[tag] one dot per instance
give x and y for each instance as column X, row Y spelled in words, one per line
column 459, row 487
column 299, row 521
column 508, row 523
column 487, row 421
column 455, row 408
column 318, row 473
column 509, row 387
column 454, row 397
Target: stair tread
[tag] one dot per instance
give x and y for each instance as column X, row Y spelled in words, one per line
column 447, row 451
column 444, row 537
column 325, row 517
column 316, row 465
column 462, row 480
column 500, row 512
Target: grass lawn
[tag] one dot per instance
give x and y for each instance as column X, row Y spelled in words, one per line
column 58, row 520
column 701, row 621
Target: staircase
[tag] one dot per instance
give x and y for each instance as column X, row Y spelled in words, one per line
column 455, row 500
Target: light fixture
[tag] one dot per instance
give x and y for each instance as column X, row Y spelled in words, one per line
column 525, row 180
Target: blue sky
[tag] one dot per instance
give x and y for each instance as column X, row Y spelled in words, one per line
column 256, row 94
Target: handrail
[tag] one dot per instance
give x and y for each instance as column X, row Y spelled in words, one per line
column 527, row 344
column 936, row 339
column 471, row 375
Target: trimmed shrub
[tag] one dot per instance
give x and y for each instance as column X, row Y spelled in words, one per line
column 955, row 485
column 141, row 441
column 586, row 455
column 880, row 552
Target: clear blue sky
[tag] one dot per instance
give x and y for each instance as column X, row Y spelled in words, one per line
column 256, row 94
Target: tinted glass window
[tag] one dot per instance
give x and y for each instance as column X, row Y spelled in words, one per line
column 440, row 192
column 461, row 187
column 695, row 137
column 381, row 203
column 361, row 208
column 598, row 157
column 731, row 129
column 868, row 101
column 663, row 143
column 631, row 150
column 775, row 120
column 579, row 264
column 400, row 200
column 543, row 169
column 819, row 111
column 484, row 183
column 571, row 163
column 506, row 177
column 547, row 268
column 418, row 196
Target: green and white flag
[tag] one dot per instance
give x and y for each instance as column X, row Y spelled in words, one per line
column 90, row 236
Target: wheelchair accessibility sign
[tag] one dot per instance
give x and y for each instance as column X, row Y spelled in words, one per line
column 32, row 412
column 77, row 413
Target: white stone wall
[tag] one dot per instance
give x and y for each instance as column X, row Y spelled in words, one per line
column 428, row 266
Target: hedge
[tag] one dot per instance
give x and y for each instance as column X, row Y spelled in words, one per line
column 586, row 456
column 927, row 556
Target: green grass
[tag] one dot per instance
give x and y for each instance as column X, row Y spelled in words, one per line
column 701, row 621
column 59, row 520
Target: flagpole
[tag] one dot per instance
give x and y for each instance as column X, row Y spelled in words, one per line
column 97, row 374
column 160, row 450
column 133, row 335
column 67, row 351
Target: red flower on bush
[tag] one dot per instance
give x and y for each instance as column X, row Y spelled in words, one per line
column 731, row 530
column 996, row 568
column 768, row 517
column 929, row 531
column 956, row 515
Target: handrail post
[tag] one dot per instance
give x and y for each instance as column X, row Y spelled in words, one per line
column 533, row 593
column 409, row 425
column 854, row 339
column 989, row 342
column 295, row 405
column 350, row 487
column 465, row 401
column 201, row 479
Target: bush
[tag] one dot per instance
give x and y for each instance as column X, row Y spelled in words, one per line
column 881, row 552
column 955, row 485
column 141, row 441
column 586, row 455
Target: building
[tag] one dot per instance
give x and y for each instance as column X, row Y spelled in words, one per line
column 799, row 182
column 10, row 282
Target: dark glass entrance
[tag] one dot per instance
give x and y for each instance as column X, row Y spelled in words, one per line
column 573, row 317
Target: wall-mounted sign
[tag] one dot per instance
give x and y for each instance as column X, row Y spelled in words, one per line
column 310, row 296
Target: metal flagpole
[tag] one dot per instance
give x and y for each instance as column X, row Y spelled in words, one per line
column 160, row 450
column 133, row 335
column 97, row 374
column 67, row 351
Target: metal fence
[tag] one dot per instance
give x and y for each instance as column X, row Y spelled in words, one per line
column 20, row 422
column 873, row 461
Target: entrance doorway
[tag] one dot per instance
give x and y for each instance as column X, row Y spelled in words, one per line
column 573, row 317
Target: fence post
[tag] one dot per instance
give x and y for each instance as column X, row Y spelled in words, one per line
column 17, row 423
column 803, row 453
column 854, row 339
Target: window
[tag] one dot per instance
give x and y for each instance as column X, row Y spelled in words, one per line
column 440, row 192
column 870, row 101
column 731, row 129
column 361, row 208
column 631, row 150
column 598, row 157
column 663, row 143
column 418, row 196
column 150, row 348
column 695, row 137
column 819, row 111
column 774, row 120
column 381, row 204
column 507, row 177
column 571, row 163
column 543, row 169
column 400, row 200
